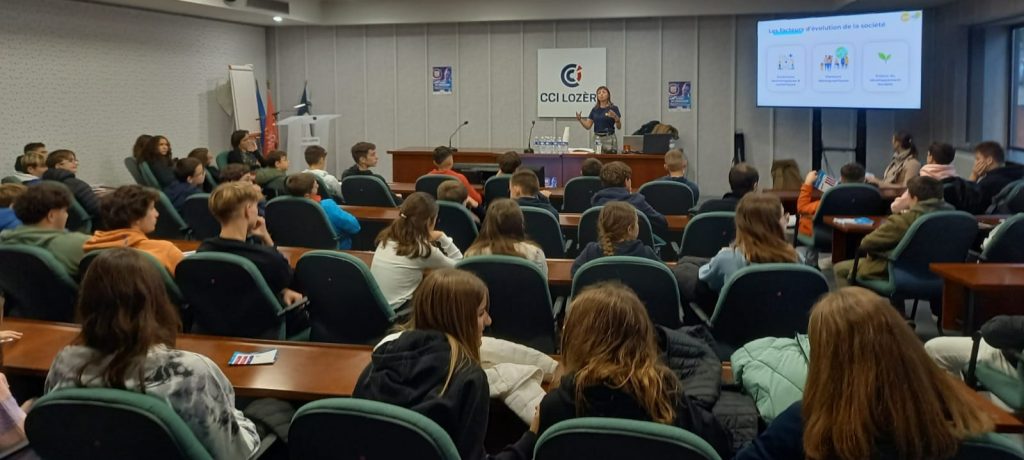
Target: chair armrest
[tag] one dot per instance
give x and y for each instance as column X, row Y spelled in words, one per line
column 557, row 307
column 704, row 318
column 300, row 304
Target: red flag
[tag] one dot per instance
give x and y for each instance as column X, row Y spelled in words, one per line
column 270, row 129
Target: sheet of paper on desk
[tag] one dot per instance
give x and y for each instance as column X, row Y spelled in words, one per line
column 853, row 221
column 253, row 359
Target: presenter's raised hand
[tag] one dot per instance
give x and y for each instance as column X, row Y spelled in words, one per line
column 579, row 116
column 611, row 114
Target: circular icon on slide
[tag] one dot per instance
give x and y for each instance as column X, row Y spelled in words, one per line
column 571, row 75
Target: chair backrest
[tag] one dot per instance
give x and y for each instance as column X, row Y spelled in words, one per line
column 211, row 182
column 990, row 446
column 652, row 281
column 707, row 233
column 35, row 285
column 428, row 183
column 765, row 300
column 543, row 228
column 324, row 192
column 133, row 168
column 520, row 303
column 1015, row 198
column 345, row 303
column 78, row 219
column 354, row 428
column 169, row 225
column 668, row 197
column 367, row 191
column 10, row 180
column 196, row 212
column 588, row 438
column 939, row 236
column 228, row 296
column 579, row 193
column 275, row 187
column 297, row 221
column 148, row 178
column 104, row 423
column 587, row 230
column 172, row 288
column 455, row 221
column 845, row 199
column 222, row 159
column 496, row 187
column 1006, row 244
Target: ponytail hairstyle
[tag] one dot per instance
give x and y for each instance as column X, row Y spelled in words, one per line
column 503, row 227
column 906, row 142
column 412, row 228
column 617, row 222
column 758, row 233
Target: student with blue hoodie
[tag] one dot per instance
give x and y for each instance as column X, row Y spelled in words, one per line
column 189, row 177
column 617, row 230
column 9, row 193
column 615, row 178
column 304, row 185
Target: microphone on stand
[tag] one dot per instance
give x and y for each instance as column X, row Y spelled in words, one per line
column 529, row 149
column 453, row 135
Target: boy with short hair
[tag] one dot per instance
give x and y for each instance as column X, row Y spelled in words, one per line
column 130, row 214
column 236, row 172
column 591, row 167
column 43, row 211
column 807, row 205
column 617, row 183
column 508, row 162
column 271, row 178
column 9, row 193
column 453, row 191
column 304, row 185
column 443, row 163
column 189, row 177
column 676, row 165
column 31, row 147
column 925, row 197
column 992, row 173
column 61, row 166
column 235, row 206
column 33, row 165
column 742, row 180
column 316, row 159
column 524, row 187
column 365, row 156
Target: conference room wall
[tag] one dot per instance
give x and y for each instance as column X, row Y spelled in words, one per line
column 92, row 77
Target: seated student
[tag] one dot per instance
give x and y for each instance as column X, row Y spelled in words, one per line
column 140, row 143
column 9, row 193
column 871, row 392
column 157, row 154
column 508, row 163
column 407, row 247
column 742, row 180
column 676, row 165
column 43, row 211
column 31, row 147
column 432, row 365
column 904, row 164
column 524, row 187
column 271, row 178
column 130, row 213
column 207, row 160
column 1000, row 335
column 34, row 165
column 591, row 167
column 189, row 177
column 615, row 178
column 244, row 233
column 613, row 368
column 925, row 197
column 62, row 165
column 345, row 225
column 992, row 173
column 244, row 149
column 443, row 165
column 807, row 205
column 316, row 159
column 454, row 192
column 939, row 166
column 365, row 156
column 127, row 341
column 504, row 233
column 617, row 229
column 235, row 172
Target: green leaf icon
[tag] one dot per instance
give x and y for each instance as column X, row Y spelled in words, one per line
column 884, row 57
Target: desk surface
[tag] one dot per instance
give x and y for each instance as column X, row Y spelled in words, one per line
column 985, row 222
column 982, row 277
column 656, row 158
column 567, row 220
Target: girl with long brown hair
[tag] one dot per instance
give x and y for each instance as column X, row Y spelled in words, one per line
column 432, row 365
column 157, row 154
column 127, row 342
column 618, row 227
column 407, row 247
column 871, row 391
column 504, row 233
column 613, row 368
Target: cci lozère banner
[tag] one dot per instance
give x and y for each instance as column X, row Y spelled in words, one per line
column 567, row 80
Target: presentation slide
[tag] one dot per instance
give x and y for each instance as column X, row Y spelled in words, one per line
column 863, row 61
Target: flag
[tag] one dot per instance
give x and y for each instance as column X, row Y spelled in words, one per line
column 262, row 110
column 307, row 108
column 270, row 126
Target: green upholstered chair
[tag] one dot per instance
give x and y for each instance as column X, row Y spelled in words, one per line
column 35, row 284
column 345, row 303
column 589, row 438
column 301, row 222
column 652, row 281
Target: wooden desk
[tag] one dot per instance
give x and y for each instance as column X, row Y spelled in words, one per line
column 846, row 237
column 569, row 221
column 789, row 197
column 407, row 188
column 964, row 283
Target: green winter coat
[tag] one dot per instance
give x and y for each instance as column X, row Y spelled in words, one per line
column 65, row 246
column 772, row 370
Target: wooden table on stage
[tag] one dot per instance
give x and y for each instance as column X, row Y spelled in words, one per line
column 966, row 287
column 412, row 162
column 569, row 221
column 846, row 237
column 789, row 197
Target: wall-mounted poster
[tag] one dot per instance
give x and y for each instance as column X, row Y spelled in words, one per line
column 679, row 96
column 442, row 79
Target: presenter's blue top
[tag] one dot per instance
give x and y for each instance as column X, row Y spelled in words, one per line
column 603, row 124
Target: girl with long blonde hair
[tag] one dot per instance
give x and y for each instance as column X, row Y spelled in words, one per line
column 504, row 233
column 613, row 369
column 871, row 391
column 432, row 365
column 618, row 227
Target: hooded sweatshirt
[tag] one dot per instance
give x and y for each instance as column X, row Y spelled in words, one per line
column 935, row 171
column 65, row 246
column 410, row 369
column 166, row 252
column 8, row 219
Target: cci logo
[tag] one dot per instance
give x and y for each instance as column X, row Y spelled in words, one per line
column 571, row 75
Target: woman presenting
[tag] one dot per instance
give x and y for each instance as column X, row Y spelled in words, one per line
column 605, row 118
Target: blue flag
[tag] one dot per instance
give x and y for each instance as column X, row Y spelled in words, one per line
column 263, row 112
column 307, row 108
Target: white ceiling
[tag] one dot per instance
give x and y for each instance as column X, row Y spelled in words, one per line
column 365, row 12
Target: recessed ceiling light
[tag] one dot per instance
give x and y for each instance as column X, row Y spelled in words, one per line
column 278, row 19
